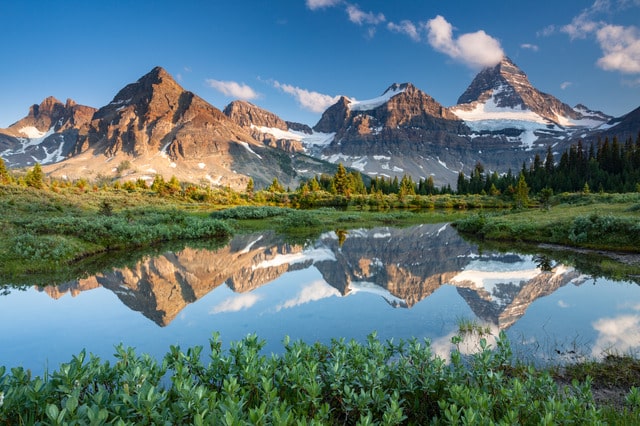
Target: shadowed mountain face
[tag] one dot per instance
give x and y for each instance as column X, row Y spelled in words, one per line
column 48, row 133
column 404, row 266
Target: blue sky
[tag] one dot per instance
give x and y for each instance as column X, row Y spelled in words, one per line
column 293, row 57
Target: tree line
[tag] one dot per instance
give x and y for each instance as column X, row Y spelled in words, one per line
column 606, row 166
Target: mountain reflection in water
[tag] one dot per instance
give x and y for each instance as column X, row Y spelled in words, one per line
column 423, row 281
column 402, row 265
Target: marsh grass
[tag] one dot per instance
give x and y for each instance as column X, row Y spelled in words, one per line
column 606, row 222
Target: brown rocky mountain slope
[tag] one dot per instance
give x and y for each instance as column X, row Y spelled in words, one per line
column 154, row 126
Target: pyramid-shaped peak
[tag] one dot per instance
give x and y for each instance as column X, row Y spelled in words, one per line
column 505, row 74
column 157, row 75
column 154, row 83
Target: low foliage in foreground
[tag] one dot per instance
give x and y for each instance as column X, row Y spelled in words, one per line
column 340, row 383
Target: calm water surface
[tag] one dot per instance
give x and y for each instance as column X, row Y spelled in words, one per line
column 422, row 282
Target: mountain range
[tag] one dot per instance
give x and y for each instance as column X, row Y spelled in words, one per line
column 154, row 126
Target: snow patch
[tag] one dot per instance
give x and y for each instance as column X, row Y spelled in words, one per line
column 382, row 235
column 56, row 155
column 313, row 255
column 32, row 132
column 359, row 163
column 370, row 104
column 248, row 247
column 201, row 165
column 313, row 139
column 246, row 146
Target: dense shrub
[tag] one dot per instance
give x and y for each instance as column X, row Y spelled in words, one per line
column 128, row 228
column 605, row 228
column 251, row 212
column 342, row 383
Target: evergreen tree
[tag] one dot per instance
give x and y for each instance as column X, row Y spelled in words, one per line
column 250, row 187
column 275, row 186
column 341, row 181
column 521, row 194
column 5, row 176
column 35, row 177
column 314, row 185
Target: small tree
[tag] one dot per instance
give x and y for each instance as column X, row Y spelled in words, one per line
column 250, row 187
column 5, row 176
column 35, row 177
column 275, row 186
column 545, row 197
column 521, row 194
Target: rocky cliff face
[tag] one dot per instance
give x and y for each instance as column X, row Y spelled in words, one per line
column 47, row 134
column 263, row 126
column 155, row 114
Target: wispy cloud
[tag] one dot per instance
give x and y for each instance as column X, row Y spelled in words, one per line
column 233, row 89
column 565, row 84
column 530, row 46
column 405, row 27
column 235, row 303
column 359, row 17
column 475, row 50
column 546, row 31
column 309, row 100
column 321, row 4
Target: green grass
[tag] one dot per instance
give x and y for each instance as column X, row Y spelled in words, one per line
column 604, row 222
column 50, row 233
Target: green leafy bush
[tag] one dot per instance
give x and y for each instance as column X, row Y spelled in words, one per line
column 341, row 383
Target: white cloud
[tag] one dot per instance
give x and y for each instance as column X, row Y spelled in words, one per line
column 621, row 334
column 546, row 31
column 405, row 27
column 476, row 49
column 321, row 4
column 530, row 46
column 357, row 16
column 563, row 304
column 621, row 48
column 580, row 27
column 233, row 89
column 620, row 45
column 565, row 84
column 236, row 303
column 315, row 291
column 312, row 101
